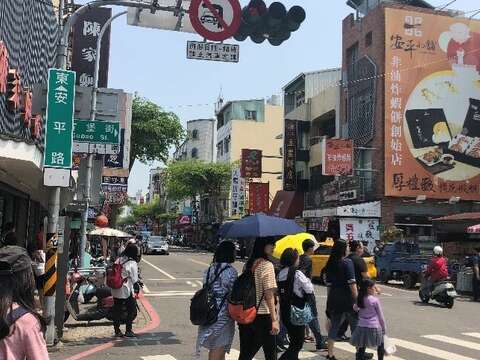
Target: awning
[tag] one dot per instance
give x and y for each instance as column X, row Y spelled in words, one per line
column 460, row 217
column 475, row 229
column 287, row 204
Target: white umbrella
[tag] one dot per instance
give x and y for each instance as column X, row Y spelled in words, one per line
column 109, row 232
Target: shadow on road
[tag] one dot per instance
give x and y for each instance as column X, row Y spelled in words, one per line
column 430, row 304
column 148, row 339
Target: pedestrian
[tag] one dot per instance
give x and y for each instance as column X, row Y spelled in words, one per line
column 8, row 231
column 38, row 265
column 262, row 332
column 124, row 304
column 21, row 327
column 306, row 266
column 476, row 275
column 39, row 238
column 342, row 292
column 370, row 330
column 220, row 276
column 294, row 288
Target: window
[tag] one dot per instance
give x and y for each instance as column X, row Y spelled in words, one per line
column 226, row 145
column 195, row 134
column 368, row 39
column 220, row 148
column 250, row 115
column 194, row 153
column 299, row 98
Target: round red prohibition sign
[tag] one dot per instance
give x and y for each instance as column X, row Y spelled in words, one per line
column 215, row 20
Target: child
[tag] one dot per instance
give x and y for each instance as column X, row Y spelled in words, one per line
column 371, row 324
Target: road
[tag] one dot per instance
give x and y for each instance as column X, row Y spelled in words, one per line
column 421, row 332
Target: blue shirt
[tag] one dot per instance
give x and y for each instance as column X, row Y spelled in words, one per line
column 343, row 277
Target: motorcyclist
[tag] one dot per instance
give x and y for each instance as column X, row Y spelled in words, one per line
column 437, row 270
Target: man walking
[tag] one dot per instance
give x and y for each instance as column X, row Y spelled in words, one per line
column 306, row 267
column 476, row 275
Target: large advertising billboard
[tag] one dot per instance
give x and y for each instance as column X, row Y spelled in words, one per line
column 432, row 106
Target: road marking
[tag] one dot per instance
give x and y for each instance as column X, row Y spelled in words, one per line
column 199, row 262
column 171, row 294
column 199, row 283
column 475, row 335
column 454, row 341
column 430, row 351
column 191, row 284
column 351, row 349
column 146, row 290
column 159, row 357
column 158, row 269
column 386, row 294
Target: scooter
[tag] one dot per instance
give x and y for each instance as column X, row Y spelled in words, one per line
column 443, row 292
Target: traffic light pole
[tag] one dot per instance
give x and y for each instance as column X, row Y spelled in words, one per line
column 93, row 111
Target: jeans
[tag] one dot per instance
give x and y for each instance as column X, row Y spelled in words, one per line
column 476, row 288
column 296, row 334
column 337, row 320
column 282, row 336
column 361, row 353
column 120, row 306
column 255, row 336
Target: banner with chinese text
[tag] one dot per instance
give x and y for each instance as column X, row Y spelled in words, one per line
column 337, row 157
column 258, row 197
column 251, row 163
column 432, row 106
column 290, row 156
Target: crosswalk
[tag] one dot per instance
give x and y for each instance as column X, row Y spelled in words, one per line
column 454, row 348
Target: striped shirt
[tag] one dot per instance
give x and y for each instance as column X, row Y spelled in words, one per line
column 264, row 280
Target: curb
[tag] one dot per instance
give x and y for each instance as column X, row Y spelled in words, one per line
column 154, row 323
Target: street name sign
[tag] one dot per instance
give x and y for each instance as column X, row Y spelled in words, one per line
column 59, row 126
column 200, row 50
column 215, row 20
column 99, row 132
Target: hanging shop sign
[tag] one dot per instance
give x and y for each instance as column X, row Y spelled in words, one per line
column 337, row 157
column 258, row 197
column 365, row 230
column 251, row 163
column 237, row 205
column 290, row 156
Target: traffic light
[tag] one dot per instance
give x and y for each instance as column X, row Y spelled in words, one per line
column 274, row 22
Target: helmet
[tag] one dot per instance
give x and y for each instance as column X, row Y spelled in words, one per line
column 437, row 250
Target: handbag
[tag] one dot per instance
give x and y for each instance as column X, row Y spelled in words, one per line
column 389, row 346
column 301, row 317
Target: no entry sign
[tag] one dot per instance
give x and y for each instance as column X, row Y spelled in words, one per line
column 215, row 20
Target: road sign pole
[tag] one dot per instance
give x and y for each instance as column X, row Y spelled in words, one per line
column 88, row 174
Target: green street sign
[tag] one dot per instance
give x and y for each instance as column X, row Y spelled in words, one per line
column 59, row 122
column 98, row 132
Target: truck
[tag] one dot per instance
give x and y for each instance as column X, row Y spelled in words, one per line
column 401, row 261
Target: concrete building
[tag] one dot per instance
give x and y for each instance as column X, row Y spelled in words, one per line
column 252, row 124
column 200, row 142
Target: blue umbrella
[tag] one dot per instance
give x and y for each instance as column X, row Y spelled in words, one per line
column 224, row 228
column 260, row 225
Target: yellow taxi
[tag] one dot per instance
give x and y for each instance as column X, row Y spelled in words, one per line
column 319, row 260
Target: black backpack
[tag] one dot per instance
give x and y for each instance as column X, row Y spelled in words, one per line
column 203, row 306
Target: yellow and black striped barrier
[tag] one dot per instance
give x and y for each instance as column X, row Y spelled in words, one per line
column 50, row 277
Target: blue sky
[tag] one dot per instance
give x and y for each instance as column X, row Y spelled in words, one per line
column 152, row 63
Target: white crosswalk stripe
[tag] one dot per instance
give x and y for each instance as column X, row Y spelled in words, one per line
column 351, row 349
column 474, row 334
column 430, row 351
column 454, row 341
column 158, row 357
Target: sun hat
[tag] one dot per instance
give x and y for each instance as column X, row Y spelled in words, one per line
column 13, row 259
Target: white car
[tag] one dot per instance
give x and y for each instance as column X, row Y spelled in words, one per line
column 157, row 245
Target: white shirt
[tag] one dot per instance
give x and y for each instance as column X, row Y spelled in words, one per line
column 301, row 284
column 130, row 273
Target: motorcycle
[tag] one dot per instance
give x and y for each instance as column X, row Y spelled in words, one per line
column 443, row 292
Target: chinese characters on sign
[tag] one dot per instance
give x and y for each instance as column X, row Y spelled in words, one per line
column 365, row 230
column 213, row 51
column 59, row 127
column 337, row 157
column 290, row 156
column 85, row 34
column 251, row 163
column 258, row 197
column 238, row 193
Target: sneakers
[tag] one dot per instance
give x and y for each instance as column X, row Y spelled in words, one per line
column 130, row 334
column 118, row 334
column 321, row 347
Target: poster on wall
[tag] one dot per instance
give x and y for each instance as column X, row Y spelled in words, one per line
column 365, row 230
column 432, row 106
column 337, row 156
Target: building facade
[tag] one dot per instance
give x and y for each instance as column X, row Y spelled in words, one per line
column 27, row 50
column 200, row 142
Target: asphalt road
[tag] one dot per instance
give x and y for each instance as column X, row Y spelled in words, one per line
column 421, row 332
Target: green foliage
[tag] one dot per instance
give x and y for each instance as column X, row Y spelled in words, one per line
column 187, row 179
column 148, row 211
column 128, row 220
column 154, row 131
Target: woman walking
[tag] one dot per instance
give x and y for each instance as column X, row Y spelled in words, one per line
column 371, row 325
column 220, row 276
column 21, row 328
column 342, row 292
column 294, row 288
column 262, row 332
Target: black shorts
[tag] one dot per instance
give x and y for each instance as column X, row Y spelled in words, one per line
column 39, row 280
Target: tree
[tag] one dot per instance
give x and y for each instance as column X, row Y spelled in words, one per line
column 191, row 178
column 154, row 131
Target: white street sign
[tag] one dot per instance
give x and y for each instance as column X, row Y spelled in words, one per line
column 200, row 50
column 56, row 177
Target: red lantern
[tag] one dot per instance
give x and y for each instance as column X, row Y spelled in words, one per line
column 101, row 221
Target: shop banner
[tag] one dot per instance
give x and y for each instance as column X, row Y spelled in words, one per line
column 432, row 106
column 337, row 156
column 365, row 230
column 290, row 156
column 258, row 197
column 251, row 163
column 237, row 205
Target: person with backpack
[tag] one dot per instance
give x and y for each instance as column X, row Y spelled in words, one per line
column 123, row 300
column 295, row 288
column 262, row 330
column 21, row 327
column 217, row 334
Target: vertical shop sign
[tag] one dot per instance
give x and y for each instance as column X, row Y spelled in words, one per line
column 85, row 34
column 237, row 205
column 59, row 127
column 290, row 156
column 337, row 157
column 258, row 197
column 251, row 163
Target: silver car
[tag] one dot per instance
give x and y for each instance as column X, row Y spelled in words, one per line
column 157, row 245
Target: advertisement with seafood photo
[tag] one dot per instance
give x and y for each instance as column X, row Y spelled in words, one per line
column 432, row 106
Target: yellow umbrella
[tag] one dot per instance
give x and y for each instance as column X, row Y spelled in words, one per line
column 292, row 241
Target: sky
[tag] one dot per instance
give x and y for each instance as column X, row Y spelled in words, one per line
column 153, row 63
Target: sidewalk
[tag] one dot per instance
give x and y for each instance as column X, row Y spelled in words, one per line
column 81, row 336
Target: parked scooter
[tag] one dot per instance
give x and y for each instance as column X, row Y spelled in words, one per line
column 443, row 292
